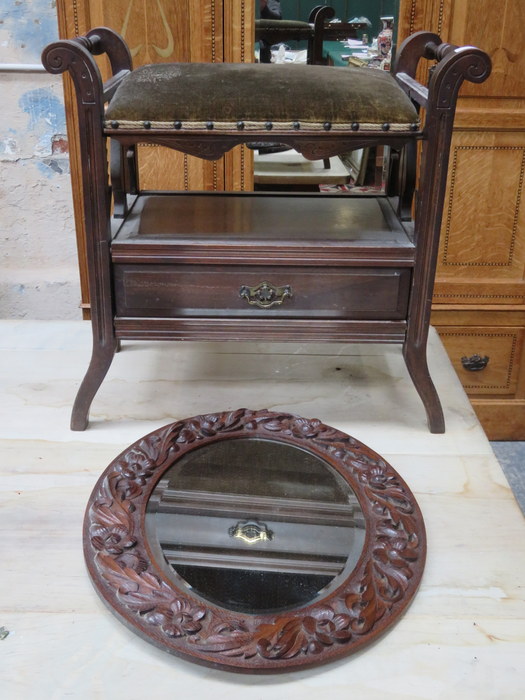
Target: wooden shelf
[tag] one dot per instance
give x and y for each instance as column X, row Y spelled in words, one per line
column 227, row 226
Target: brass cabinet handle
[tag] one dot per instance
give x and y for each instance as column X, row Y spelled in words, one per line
column 265, row 295
column 251, row 531
column 475, row 363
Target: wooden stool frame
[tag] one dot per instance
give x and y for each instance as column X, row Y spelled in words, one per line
column 454, row 65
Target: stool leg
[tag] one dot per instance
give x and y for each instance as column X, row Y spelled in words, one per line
column 101, row 359
column 416, row 362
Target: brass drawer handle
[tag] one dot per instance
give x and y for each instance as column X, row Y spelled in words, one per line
column 475, row 363
column 251, row 531
column 265, row 295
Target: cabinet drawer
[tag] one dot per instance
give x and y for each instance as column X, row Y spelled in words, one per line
column 499, row 350
column 231, row 291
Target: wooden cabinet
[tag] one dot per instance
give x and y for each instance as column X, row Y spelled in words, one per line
column 479, row 294
column 209, row 31
column 499, row 349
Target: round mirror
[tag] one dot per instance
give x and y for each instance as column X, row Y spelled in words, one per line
column 255, row 525
column 254, row 541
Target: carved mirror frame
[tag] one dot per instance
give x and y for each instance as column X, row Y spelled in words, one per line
column 135, row 587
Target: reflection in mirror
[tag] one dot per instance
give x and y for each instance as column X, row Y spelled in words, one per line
column 255, row 525
column 360, row 33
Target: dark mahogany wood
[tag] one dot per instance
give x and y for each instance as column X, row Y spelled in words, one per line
column 388, row 261
column 76, row 57
column 363, row 603
column 454, row 66
column 184, row 290
column 278, row 329
column 311, row 144
column 254, row 229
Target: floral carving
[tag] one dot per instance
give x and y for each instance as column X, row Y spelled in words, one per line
column 285, row 638
column 299, row 427
column 111, row 531
column 377, row 590
column 146, row 594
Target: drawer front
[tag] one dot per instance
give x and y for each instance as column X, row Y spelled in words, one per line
column 211, row 290
column 486, row 359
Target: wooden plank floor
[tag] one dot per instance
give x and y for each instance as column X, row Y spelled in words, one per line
column 462, row 637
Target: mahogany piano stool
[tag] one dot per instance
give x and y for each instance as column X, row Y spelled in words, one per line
column 228, row 266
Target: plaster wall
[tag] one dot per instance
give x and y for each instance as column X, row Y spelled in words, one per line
column 38, row 260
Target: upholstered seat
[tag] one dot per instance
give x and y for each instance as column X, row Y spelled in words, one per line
column 282, row 29
column 233, row 97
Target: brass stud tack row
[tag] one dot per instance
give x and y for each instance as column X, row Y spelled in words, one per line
column 210, row 125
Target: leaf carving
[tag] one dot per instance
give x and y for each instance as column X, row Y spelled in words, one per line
column 285, row 638
column 143, row 592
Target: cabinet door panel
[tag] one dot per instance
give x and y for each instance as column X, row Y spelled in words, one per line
column 495, row 27
column 482, row 247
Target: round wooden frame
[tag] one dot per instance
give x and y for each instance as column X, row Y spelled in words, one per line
column 368, row 601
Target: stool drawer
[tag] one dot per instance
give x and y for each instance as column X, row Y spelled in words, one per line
column 271, row 291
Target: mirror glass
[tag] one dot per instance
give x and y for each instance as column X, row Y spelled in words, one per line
column 255, row 525
column 360, row 33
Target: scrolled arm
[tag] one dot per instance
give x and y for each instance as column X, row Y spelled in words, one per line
column 60, row 56
column 321, row 13
column 105, row 40
column 411, row 50
column 437, row 52
column 74, row 56
column 454, row 65
column 458, row 64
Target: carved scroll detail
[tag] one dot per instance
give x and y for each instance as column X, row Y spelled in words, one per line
column 73, row 55
column 465, row 63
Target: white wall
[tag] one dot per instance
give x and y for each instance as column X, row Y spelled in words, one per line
column 38, row 260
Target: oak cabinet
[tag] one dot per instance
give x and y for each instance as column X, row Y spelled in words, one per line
column 497, row 350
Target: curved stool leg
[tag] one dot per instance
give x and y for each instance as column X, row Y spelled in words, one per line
column 416, row 362
column 101, row 359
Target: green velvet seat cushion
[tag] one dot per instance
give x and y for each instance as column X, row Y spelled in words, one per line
column 282, row 29
column 233, row 96
column 284, row 23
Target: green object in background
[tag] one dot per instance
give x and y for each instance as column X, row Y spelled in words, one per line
column 345, row 10
column 335, row 51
